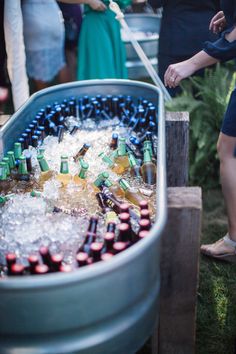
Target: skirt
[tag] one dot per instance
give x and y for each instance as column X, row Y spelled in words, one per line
column 44, row 38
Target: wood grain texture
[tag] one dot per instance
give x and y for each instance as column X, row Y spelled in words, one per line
column 179, row 273
column 177, row 148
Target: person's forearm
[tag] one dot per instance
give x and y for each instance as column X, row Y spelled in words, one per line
column 202, row 60
column 230, row 37
column 73, row 1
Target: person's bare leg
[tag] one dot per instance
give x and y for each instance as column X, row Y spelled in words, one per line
column 226, row 146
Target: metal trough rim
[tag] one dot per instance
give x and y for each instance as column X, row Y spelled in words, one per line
column 100, row 268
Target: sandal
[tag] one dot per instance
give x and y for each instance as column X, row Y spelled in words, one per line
column 223, row 249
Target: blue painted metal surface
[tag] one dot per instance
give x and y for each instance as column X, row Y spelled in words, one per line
column 107, row 308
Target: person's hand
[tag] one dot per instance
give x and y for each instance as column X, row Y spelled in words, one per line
column 96, row 5
column 218, row 22
column 177, row 72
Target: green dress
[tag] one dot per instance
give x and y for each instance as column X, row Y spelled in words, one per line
column 101, row 53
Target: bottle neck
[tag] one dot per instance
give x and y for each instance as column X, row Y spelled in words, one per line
column 64, row 166
column 146, row 156
column 43, row 163
column 22, row 166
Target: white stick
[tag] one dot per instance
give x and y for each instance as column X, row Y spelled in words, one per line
column 146, row 62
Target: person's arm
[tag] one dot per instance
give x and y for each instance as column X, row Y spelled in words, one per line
column 177, row 72
column 96, row 5
column 223, row 49
column 15, row 48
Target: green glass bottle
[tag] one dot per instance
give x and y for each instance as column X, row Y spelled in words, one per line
column 64, row 176
column 5, row 198
column 134, row 167
column 81, row 177
column 46, row 173
column 35, row 194
column 148, row 168
column 99, row 181
column 121, row 157
column 23, row 174
column 131, row 194
column 7, row 161
column 17, row 150
column 12, row 163
column 148, row 145
column 119, row 169
column 5, row 183
column 114, row 188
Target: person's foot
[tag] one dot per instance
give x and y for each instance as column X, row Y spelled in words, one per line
column 223, row 249
column 3, row 94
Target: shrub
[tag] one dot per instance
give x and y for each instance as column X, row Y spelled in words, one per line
column 205, row 98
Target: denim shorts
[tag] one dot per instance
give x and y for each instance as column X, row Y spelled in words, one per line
column 229, row 122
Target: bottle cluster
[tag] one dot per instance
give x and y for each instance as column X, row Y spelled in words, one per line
column 117, row 238
column 130, row 154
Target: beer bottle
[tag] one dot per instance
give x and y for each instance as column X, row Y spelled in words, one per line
column 99, row 181
column 23, row 174
column 45, row 255
column 131, row 194
column 110, row 215
column 46, row 173
column 148, row 168
column 33, row 262
column 90, row 235
column 142, row 234
column 64, row 176
column 81, row 153
column 17, row 151
column 119, row 169
column 96, row 249
column 124, row 233
column 56, row 262
column 10, row 260
column 119, row 247
column 82, row 258
column 114, row 141
column 65, row 268
column 17, row 269
column 111, row 226
column 114, row 188
column 81, row 177
column 106, row 256
column 7, row 165
column 121, row 157
column 12, row 163
column 134, row 167
column 144, row 225
column 109, row 239
column 41, row 269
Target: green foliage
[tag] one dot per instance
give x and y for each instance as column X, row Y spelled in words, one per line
column 205, row 98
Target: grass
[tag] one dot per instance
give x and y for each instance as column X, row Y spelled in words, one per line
column 216, row 308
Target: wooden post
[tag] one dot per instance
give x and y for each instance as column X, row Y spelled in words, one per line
column 177, row 148
column 179, row 273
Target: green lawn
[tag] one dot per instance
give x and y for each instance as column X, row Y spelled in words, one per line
column 216, row 314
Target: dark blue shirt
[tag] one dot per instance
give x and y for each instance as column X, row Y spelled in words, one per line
column 222, row 49
column 185, row 25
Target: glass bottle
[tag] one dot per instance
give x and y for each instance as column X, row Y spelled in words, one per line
column 23, row 174
column 109, row 239
column 114, row 141
column 46, row 173
column 64, row 176
column 121, row 157
column 131, row 194
column 81, row 153
column 96, row 249
column 99, row 181
column 109, row 214
column 148, row 168
column 82, row 258
column 81, row 177
column 134, row 167
column 114, row 188
column 17, row 151
column 119, row 169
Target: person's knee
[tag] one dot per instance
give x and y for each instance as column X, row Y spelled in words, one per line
column 226, row 147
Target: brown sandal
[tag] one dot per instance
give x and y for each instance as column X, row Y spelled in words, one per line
column 228, row 256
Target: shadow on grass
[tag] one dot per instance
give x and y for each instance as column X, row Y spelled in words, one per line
column 216, row 314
